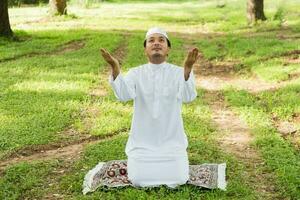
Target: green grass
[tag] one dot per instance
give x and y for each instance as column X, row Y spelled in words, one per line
column 278, row 154
column 249, row 51
column 276, row 70
column 25, row 180
column 201, row 149
column 43, row 93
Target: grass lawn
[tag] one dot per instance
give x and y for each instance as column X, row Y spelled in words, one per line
column 53, row 80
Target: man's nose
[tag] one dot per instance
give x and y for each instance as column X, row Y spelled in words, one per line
column 156, row 43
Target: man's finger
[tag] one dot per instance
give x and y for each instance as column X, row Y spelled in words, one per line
column 195, row 52
column 103, row 50
column 199, row 56
column 106, row 55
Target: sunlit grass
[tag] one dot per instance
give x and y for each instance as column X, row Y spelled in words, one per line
column 42, row 95
column 278, row 154
column 202, row 149
column 184, row 17
column 50, row 86
column 45, row 90
column 112, row 117
column 276, row 70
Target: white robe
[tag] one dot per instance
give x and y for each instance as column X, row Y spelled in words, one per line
column 157, row 143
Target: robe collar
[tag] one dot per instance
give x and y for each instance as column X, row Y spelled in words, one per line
column 155, row 67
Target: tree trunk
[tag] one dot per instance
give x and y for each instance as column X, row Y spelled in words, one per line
column 5, row 29
column 58, row 7
column 255, row 10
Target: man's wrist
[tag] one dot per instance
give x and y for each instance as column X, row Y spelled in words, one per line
column 187, row 73
column 115, row 73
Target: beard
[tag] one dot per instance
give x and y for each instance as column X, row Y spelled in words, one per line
column 156, row 55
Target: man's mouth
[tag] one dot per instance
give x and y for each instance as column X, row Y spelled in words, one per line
column 156, row 49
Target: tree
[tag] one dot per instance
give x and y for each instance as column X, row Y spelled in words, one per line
column 5, row 29
column 58, row 7
column 255, row 10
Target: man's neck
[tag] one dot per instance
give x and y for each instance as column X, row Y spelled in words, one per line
column 157, row 60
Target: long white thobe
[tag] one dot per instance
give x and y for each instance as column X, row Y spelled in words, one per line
column 157, row 143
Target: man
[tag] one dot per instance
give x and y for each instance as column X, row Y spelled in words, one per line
column 157, row 143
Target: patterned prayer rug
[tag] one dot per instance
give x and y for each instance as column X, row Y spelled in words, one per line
column 114, row 174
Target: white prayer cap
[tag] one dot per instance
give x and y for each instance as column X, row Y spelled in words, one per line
column 158, row 30
column 154, row 30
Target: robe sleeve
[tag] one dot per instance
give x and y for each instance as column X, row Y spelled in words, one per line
column 187, row 89
column 124, row 87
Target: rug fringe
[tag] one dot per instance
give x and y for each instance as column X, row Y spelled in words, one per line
column 88, row 179
column 222, row 176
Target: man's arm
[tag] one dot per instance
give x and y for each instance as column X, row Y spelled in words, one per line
column 187, row 90
column 124, row 87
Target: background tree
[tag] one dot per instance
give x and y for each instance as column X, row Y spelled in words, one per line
column 58, row 7
column 255, row 10
column 5, row 29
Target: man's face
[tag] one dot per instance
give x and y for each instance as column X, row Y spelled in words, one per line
column 157, row 46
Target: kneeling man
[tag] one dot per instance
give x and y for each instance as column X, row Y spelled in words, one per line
column 157, row 143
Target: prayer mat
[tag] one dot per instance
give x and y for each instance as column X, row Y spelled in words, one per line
column 114, row 174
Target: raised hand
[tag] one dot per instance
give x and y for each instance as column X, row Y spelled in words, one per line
column 113, row 62
column 192, row 57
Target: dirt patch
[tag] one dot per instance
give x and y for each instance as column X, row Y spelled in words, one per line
column 195, row 36
column 292, row 57
column 252, row 85
column 236, row 139
column 236, row 134
column 70, row 46
column 294, row 76
column 204, row 67
column 292, row 61
column 218, row 75
column 289, row 36
column 293, row 54
column 289, row 130
column 69, row 150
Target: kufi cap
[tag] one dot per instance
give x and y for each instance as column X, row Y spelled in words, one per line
column 156, row 30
